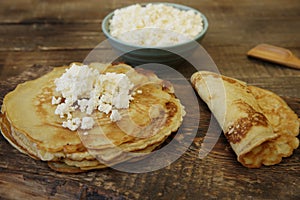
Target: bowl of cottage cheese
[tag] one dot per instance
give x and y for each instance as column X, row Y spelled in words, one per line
column 164, row 33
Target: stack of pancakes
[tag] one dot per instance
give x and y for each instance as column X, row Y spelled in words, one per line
column 29, row 123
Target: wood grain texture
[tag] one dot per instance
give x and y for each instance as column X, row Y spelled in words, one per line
column 39, row 35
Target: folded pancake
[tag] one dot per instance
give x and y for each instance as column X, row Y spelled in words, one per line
column 248, row 124
column 284, row 122
column 29, row 123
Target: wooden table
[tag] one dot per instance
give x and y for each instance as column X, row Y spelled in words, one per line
column 36, row 35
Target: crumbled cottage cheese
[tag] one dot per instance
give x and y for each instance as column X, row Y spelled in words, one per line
column 85, row 89
column 155, row 25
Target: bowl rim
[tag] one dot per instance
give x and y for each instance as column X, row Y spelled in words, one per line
column 106, row 32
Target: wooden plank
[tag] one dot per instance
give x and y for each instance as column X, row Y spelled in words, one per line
column 28, row 37
column 50, row 37
column 16, row 185
column 13, row 63
column 231, row 61
column 34, row 11
column 82, row 36
column 56, row 11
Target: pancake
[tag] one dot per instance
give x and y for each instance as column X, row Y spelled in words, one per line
column 29, row 122
column 258, row 124
column 285, row 123
column 73, row 166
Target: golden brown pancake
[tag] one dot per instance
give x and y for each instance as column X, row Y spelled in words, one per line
column 29, row 123
column 258, row 124
column 285, row 124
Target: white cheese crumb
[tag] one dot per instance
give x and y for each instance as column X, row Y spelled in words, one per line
column 69, row 116
column 155, row 25
column 76, row 82
column 83, row 104
column 56, row 101
column 115, row 115
column 85, row 133
column 64, row 109
column 72, row 124
column 87, row 90
column 103, row 107
column 87, row 123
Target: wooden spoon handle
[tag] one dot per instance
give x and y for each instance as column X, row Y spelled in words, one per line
column 275, row 54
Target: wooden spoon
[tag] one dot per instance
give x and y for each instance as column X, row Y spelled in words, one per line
column 275, row 54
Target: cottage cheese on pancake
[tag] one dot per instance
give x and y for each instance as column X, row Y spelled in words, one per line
column 86, row 89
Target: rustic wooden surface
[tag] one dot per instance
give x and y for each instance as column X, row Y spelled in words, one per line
column 36, row 35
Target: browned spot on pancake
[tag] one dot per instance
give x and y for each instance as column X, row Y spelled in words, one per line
column 172, row 110
column 237, row 83
column 241, row 127
column 229, row 80
column 117, row 63
column 42, row 99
